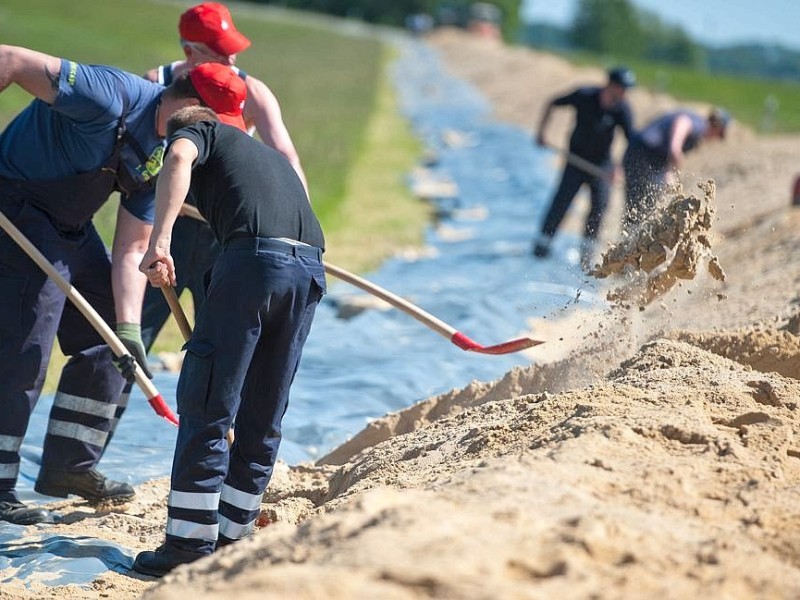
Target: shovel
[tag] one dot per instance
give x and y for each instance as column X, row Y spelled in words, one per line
column 117, row 347
column 583, row 164
column 440, row 327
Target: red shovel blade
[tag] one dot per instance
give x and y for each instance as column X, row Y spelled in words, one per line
column 463, row 342
column 161, row 409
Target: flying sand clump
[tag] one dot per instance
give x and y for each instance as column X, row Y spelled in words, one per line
column 669, row 246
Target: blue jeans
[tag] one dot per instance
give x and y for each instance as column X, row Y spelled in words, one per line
column 33, row 311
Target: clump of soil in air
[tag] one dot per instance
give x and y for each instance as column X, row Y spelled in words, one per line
column 669, row 246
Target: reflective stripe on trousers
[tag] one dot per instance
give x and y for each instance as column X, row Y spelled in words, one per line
column 276, row 294
column 32, row 311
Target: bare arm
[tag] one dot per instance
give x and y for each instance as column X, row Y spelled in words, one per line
column 151, row 75
column 171, row 189
column 130, row 242
column 681, row 129
column 35, row 72
column 262, row 110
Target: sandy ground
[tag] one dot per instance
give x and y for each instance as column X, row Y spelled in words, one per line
column 650, row 453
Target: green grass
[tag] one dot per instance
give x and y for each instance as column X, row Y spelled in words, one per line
column 745, row 98
column 335, row 99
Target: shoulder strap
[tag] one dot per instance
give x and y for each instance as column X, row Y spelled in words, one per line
column 123, row 135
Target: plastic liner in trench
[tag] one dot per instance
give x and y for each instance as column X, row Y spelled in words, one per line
column 477, row 274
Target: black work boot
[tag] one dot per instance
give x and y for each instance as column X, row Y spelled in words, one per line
column 14, row 511
column 90, row 485
column 162, row 560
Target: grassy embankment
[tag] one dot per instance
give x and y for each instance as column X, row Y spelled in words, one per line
column 334, row 92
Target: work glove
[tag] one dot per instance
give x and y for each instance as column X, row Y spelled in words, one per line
column 130, row 334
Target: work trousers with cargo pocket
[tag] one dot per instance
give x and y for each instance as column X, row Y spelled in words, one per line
column 33, row 310
column 239, row 365
column 194, row 250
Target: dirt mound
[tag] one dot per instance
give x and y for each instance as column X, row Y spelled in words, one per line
column 669, row 245
column 767, row 350
column 668, row 479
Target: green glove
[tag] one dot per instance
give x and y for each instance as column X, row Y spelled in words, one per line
column 130, row 334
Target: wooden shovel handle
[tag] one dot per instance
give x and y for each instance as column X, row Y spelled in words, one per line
column 177, row 311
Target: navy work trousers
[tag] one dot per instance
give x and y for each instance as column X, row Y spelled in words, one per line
column 194, row 250
column 239, row 365
column 571, row 181
column 33, row 310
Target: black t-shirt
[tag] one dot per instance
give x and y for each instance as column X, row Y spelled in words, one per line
column 244, row 188
column 594, row 126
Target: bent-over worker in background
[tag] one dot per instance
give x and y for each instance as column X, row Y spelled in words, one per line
column 261, row 299
column 657, row 152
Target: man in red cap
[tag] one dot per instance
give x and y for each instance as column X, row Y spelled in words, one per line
column 60, row 159
column 239, row 363
column 209, row 36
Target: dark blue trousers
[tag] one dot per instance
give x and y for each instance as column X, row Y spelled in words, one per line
column 33, row 311
column 239, row 365
column 194, row 250
column 571, row 181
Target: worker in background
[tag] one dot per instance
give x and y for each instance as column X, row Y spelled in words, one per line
column 657, row 152
column 599, row 111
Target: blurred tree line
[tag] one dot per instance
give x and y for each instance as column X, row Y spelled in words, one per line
column 396, row 12
column 618, row 29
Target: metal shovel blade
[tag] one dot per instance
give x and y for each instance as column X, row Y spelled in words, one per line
column 463, row 342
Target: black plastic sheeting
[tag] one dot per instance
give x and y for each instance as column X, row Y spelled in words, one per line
column 480, row 278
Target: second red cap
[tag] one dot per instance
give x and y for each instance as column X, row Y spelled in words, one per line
column 222, row 90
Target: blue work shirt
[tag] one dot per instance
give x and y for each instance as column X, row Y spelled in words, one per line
column 77, row 133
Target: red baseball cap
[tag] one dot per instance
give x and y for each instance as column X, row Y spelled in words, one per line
column 211, row 24
column 222, row 90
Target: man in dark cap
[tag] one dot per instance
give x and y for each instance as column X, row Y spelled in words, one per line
column 598, row 112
